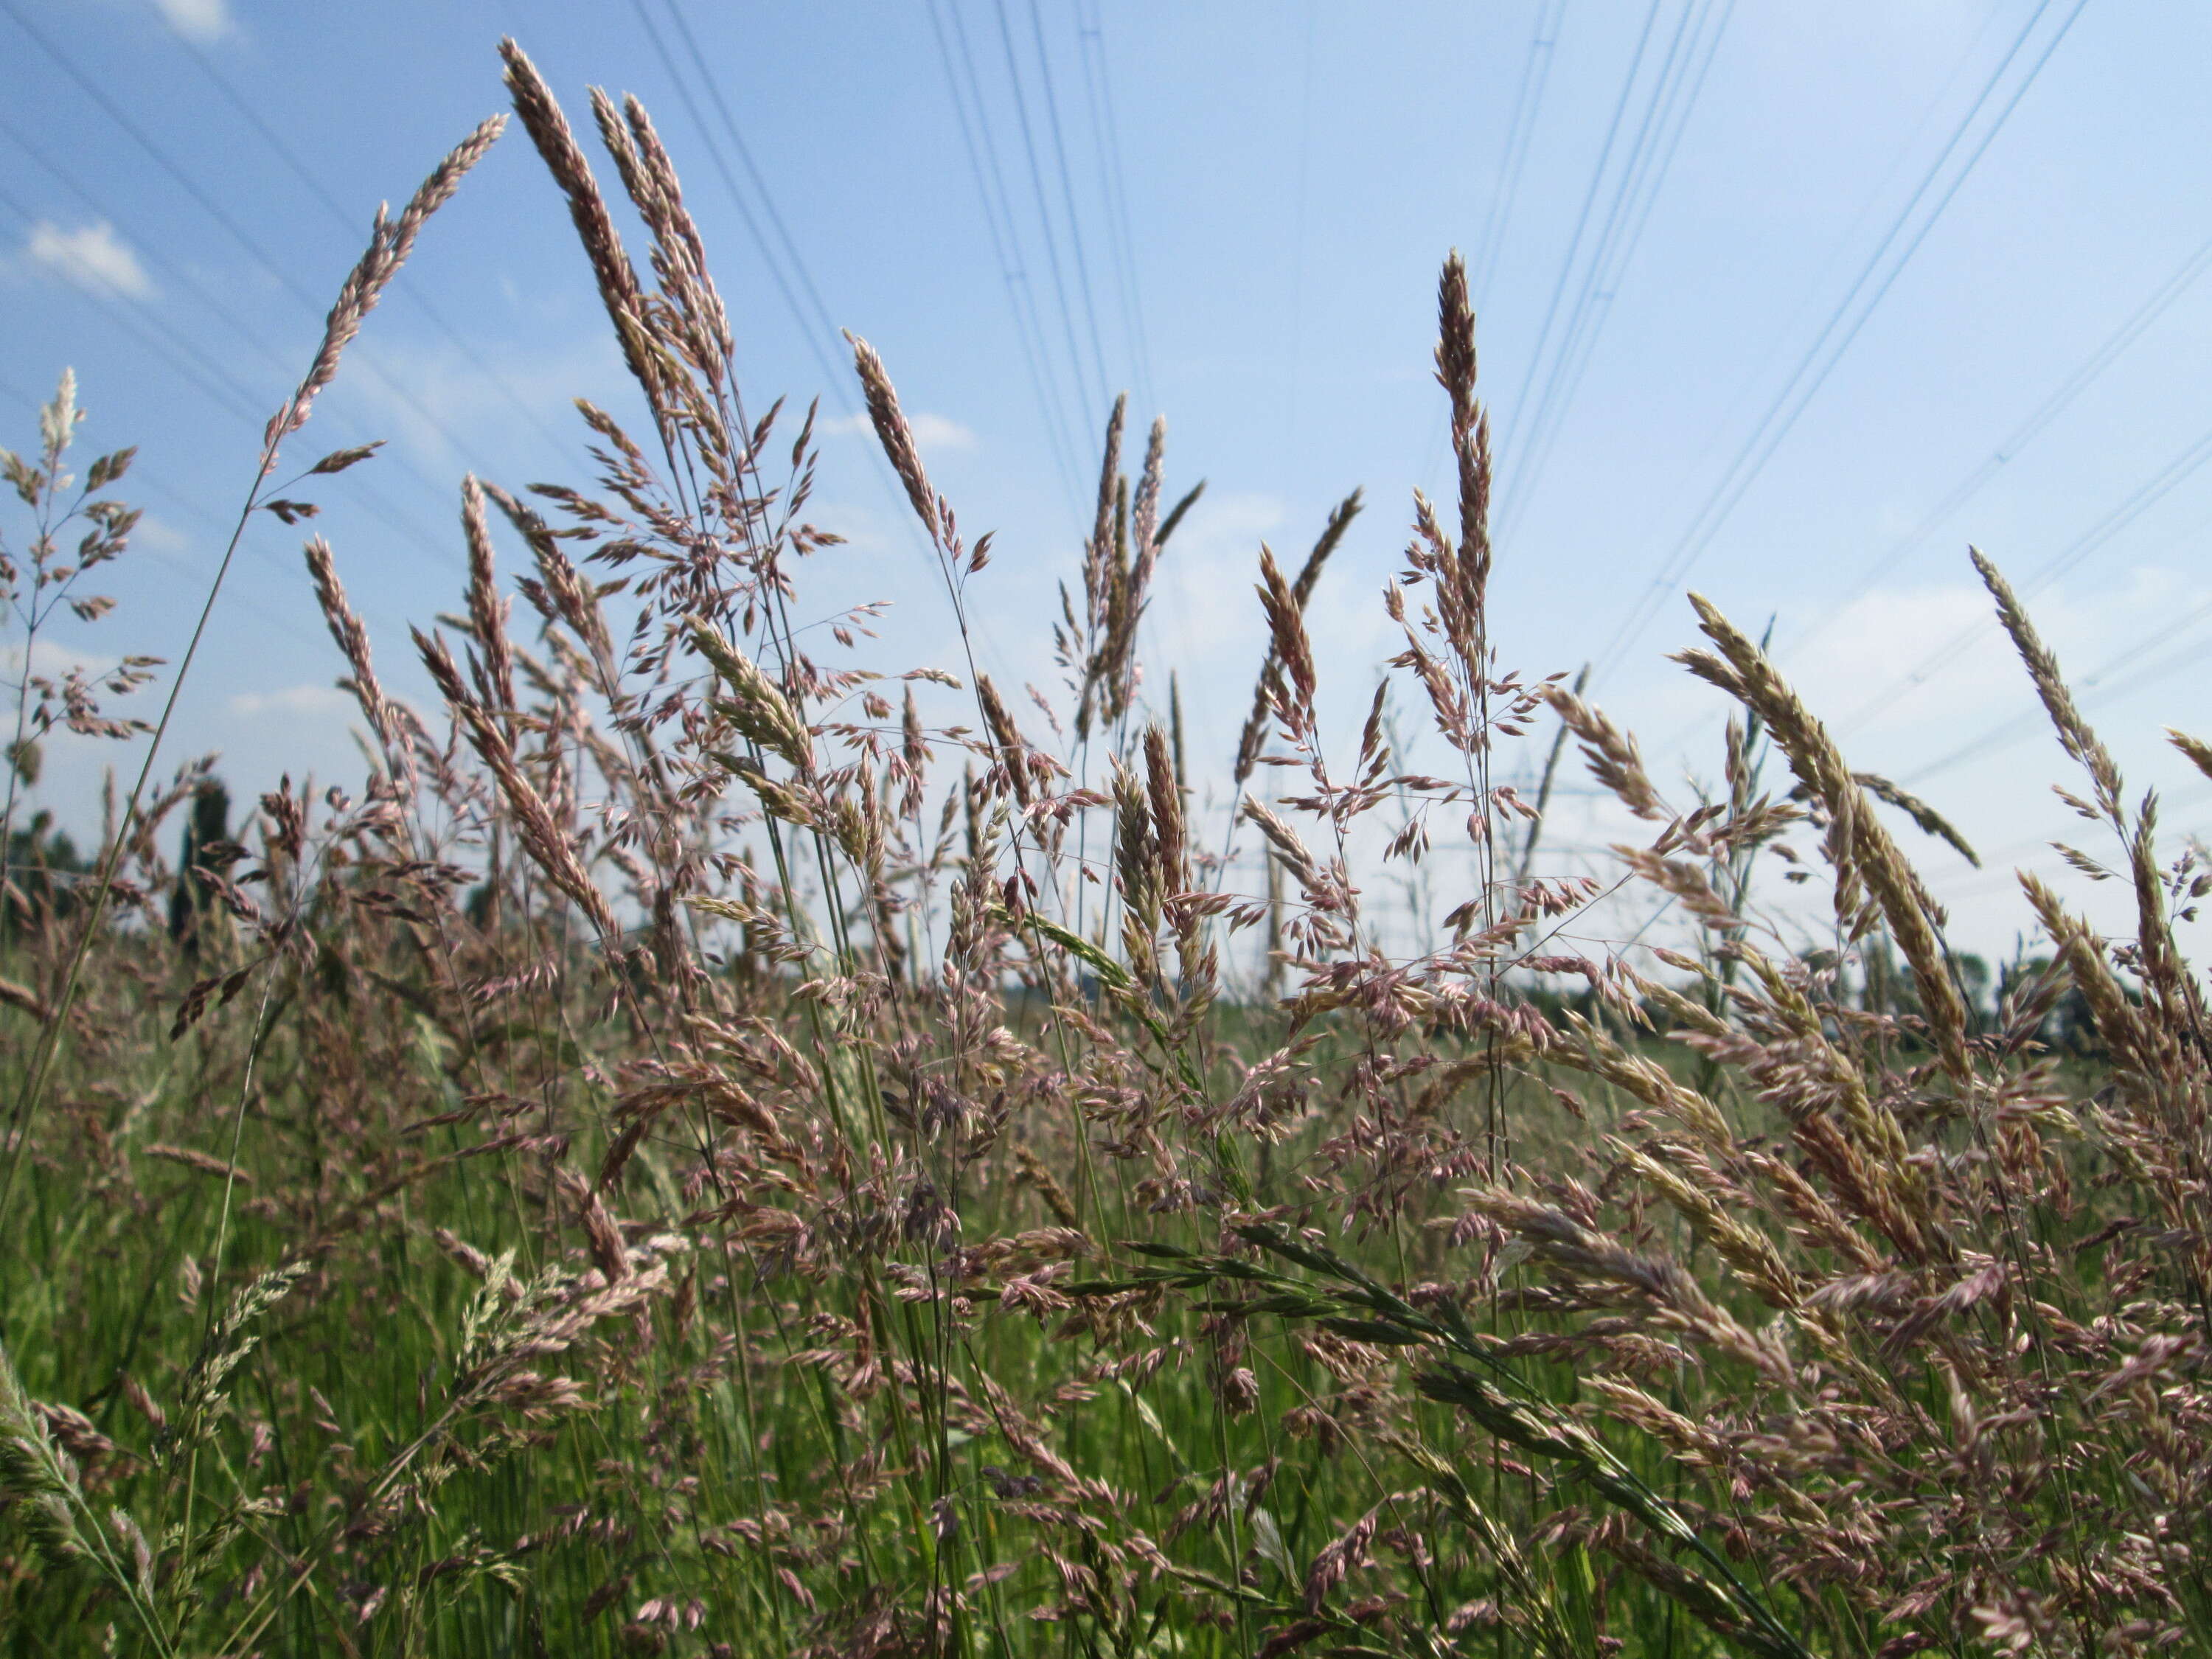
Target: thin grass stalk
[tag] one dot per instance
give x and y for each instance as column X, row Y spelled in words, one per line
column 390, row 242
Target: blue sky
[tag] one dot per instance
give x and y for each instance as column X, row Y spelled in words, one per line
column 1765, row 285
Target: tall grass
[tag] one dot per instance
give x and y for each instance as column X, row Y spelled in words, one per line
column 721, row 1149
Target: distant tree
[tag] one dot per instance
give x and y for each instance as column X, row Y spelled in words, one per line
column 2067, row 1026
column 1974, row 981
column 207, row 828
column 43, row 869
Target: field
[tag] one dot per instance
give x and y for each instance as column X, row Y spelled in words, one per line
column 718, row 1149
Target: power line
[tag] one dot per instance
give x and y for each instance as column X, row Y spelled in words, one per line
column 215, row 379
column 172, row 273
column 1974, row 883
column 1106, row 133
column 998, row 218
column 2090, row 692
column 827, row 323
column 146, row 478
column 1866, row 294
column 2077, row 382
column 190, row 363
column 1674, row 92
column 819, row 327
column 230, row 227
column 1078, row 414
column 810, row 326
column 2137, row 502
column 1527, row 100
column 156, row 342
column 2084, row 375
column 1802, row 319
column 1122, row 243
column 191, row 186
column 1582, row 224
column 1068, row 195
column 1298, row 231
column 1092, row 399
column 801, row 297
column 337, row 210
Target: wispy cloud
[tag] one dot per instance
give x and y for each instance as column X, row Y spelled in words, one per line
column 158, row 535
column 292, row 700
column 431, row 398
column 196, row 19
column 93, row 258
column 1892, row 633
column 940, row 432
column 51, row 658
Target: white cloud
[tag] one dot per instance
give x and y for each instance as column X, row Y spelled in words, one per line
column 196, row 19
column 869, row 528
column 158, row 535
column 940, row 432
column 431, row 399
column 1207, row 611
column 1858, row 670
column 51, row 660
column 293, row 700
column 1888, row 634
column 93, row 258
column 1207, row 625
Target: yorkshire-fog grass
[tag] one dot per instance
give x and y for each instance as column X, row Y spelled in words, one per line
column 717, row 1145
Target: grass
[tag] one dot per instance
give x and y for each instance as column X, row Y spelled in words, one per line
column 715, row 1149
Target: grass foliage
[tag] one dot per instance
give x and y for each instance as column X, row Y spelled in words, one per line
column 723, row 1147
